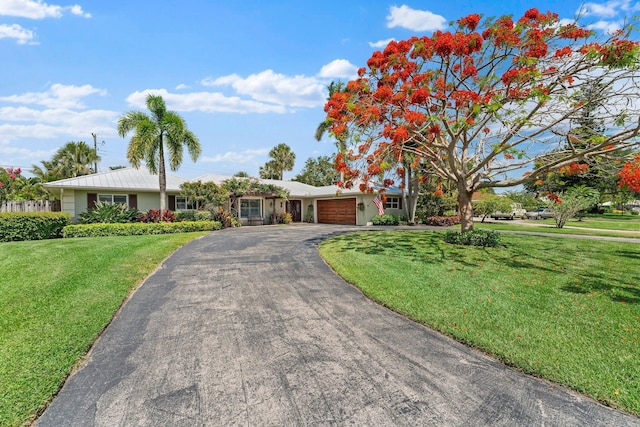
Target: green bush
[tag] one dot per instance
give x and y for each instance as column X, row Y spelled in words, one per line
column 386, row 219
column 189, row 215
column 108, row 213
column 486, row 238
column 32, row 225
column 138, row 228
column 203, row 216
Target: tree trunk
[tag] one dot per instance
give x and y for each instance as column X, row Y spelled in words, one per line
column 466, row 208
column 162, row 176
column 410, row 193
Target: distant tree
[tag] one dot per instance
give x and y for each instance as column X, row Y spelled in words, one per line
column 491, row 204
column 114, row 168
column 318, row 171
column 71, row 160
column 151, row 134
column 241, row 174
column 567, row 205
column 269, row 171
column 283, row 159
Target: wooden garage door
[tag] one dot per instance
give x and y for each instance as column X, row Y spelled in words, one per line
column 337, row 211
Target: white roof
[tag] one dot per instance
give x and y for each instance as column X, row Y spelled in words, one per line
column 120, row 179
column 142, row 180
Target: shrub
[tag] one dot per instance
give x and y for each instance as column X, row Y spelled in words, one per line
column 109, row 212
column 386, row 219
column 442, row 221
column 284, row 218
column 137, row 228
column 32, row 226
column 226, row 218
column 154, row 215
column 189, row 215
column 203, row 216
column 486, row 238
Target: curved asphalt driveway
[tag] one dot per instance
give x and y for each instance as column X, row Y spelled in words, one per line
column 249, row 327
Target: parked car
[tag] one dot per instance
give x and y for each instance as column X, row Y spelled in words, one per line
column 515, row 212
column 539, row 213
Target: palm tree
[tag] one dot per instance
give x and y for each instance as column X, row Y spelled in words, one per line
column 151, row 133
column 71, row 160
column 75, row 159
column 333, row 87
column 283, row 159
column 268, row 171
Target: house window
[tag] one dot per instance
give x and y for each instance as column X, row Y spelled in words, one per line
column 120, row 199
column 250, row 208
column 393, row 203
column 183, row 204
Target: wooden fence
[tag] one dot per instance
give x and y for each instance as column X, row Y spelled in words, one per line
column 30, row 206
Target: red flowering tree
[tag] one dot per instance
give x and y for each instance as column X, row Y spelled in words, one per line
column 629, row 176
column 485, row 107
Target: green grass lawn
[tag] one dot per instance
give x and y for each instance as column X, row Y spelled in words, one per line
column 624, row 223
column 564, row 309
column 56, row 296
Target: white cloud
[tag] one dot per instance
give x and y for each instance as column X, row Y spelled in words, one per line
column 182, row 86
column 416, row 20
column 608, row 27
column 237, row 157
column 58, row 96
column 609, row 9
column 268, row 86
column 15, row 31
column 381, row 43
column 339, row 68
column 37, row 9
column 210, row 102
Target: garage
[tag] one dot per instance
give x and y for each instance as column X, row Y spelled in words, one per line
column 337, row 211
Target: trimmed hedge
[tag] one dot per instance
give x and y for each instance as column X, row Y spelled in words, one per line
column 32, row 225
column 442, row 221
column 386, row 219
column 138, row 228
column 485, row 238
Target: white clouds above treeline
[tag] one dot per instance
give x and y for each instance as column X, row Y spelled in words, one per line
column 263, row 92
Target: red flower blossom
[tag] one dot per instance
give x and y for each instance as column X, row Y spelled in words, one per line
column 470, row 22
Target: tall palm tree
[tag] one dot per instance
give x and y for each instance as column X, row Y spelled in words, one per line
column 283, row 159
column 151, row 133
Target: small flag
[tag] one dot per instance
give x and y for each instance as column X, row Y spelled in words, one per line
column 378, row 203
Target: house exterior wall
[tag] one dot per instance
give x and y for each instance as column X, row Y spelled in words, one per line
column 67, row 202
column 75, row 201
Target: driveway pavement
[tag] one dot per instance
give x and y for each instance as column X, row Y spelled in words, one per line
column 250, row 327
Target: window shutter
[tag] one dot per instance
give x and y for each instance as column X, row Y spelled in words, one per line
column 172, row 203
column 92, row 198
column 399, row 202
column 133, row 201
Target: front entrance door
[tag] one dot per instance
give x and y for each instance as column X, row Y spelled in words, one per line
column 294, row 207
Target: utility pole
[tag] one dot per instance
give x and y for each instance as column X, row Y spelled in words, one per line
column 95, row 149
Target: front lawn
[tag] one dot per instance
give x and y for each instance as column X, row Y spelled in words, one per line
column 548, row 226
column 55, row 298
column 629, row 222
column 561, row 308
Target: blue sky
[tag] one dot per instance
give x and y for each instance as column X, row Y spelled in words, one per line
column 245, row 75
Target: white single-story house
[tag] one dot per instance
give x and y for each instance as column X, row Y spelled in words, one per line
column 138, row 188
